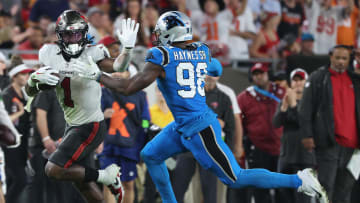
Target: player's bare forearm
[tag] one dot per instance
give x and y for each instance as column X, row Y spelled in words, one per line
column 31, row 91
column 134, row 84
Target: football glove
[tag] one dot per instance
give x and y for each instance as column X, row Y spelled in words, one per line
column 88, row 70
column 128, row 33
column 44, row 76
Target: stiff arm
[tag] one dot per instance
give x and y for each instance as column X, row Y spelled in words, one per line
column 136, row 83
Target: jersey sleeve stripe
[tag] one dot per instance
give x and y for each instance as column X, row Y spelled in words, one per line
column 165, row 54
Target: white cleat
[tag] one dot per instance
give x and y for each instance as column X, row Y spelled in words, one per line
column 117, row 189
column 311, row 186
column 109, row 174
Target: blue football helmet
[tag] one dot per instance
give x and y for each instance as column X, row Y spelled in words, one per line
column 173, row 26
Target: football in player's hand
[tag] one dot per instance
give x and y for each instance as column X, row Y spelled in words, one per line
column 48, row 87
column 6, row 136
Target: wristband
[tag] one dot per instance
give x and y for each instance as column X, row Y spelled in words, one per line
column 99, row 76
column 127, row 50
column 46, row 138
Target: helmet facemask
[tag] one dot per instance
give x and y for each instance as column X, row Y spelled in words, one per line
column 73, row 41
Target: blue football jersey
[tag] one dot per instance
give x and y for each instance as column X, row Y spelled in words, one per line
column 183, row 85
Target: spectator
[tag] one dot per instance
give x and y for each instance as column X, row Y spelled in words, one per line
column 293, row 156
column 5, row 30
column 15, row 159
column 4, row 78
column 280, row 79
column 242, row 29
column 151, row 16
column 50, row 34
column 127, row 116
column 259, row 7
column 10, row 6
column 307, row 44
column 347, row 28
column 287, row 46
column 49, row 127
column 323, row 22
column 258, row 105
column 51, row 8
column 215, row 30
column 356, row 62
column 292, row 17
column 95, row 17
column 266, row 41
column 220, row 103
column 330, row 122
column 112, row 45
column 34, row 42
column 108, row 25
column 44, row 22
column 133, row 10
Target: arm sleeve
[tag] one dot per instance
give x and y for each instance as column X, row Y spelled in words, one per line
column 306, row 108
column 214, row 69
column 155, row 56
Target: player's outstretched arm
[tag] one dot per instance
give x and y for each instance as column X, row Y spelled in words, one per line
column 135, row 83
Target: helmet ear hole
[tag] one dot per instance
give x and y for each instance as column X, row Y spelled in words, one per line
column 166, row 36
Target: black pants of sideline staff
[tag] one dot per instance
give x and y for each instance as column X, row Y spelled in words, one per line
column 183, row 173
column 332, row 172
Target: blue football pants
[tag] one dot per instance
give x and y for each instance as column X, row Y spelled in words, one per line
column 212, row 153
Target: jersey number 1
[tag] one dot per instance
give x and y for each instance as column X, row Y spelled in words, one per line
column 65, row 84
column 189, row 80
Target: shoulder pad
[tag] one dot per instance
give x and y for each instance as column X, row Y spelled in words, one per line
column 158, row 55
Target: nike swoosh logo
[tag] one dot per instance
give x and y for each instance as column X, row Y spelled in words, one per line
column 116, row 181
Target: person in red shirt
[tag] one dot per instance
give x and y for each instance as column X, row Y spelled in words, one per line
column 330, row 117
column 34, row 42
column 262, row 140
column 267, row 39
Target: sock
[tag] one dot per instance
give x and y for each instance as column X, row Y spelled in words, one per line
column 101, row 177
column 262, row 178
column 91, row 175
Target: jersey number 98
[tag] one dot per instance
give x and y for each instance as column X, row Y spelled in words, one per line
column 189, row 81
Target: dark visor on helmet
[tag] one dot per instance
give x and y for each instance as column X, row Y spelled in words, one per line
column 72, row 37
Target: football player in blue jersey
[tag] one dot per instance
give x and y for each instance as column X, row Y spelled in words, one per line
column 180, row 68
